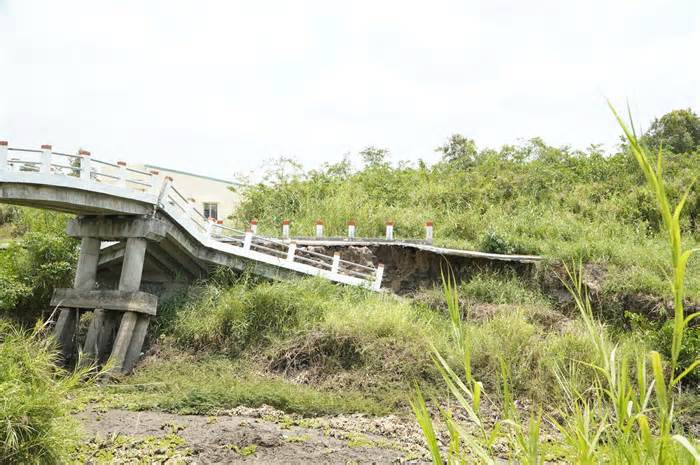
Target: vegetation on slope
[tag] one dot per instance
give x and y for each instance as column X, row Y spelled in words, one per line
column 322, row 348
column 527, row 198
column 623, row 411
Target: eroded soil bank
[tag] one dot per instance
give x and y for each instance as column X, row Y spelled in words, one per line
column 246, row 435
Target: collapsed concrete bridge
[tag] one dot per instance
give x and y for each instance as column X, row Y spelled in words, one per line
column 140, row 236
column 130, row 223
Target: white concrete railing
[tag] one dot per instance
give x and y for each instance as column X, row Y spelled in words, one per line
column 352, row 233
column 89, row 169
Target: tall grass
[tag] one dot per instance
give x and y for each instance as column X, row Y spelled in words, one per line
column 623, row 414
column 35, row 425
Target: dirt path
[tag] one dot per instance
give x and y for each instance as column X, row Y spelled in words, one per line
column 243, row 435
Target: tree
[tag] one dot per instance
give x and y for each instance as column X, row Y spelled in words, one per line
column 459, row 151
column 678, row 131
column 374, row 157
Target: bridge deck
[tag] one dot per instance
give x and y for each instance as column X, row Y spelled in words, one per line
column 79, row 187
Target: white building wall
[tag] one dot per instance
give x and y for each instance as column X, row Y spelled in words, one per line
column 202, row 189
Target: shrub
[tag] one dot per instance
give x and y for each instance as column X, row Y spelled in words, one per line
column 495, row 243
column 30, row 269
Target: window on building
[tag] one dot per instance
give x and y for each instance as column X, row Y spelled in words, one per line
column 211, row 210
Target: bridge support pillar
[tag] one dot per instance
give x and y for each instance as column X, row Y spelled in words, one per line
column 133, row 326
column 100, row 335
column 85, row 279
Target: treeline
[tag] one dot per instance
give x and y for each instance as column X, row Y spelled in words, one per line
column 534, row 197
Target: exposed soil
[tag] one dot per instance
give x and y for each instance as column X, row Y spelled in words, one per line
column 245, row 435
column 408, row 270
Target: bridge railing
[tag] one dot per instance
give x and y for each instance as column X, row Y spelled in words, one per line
column 87, row 168
column 290, row 252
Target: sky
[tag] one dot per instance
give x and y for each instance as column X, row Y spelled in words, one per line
column 218, row 87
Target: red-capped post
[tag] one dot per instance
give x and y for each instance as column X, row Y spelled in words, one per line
column 254, row 226
column 351, row 229
column 156, row 181
column 121, row 182
column 285, row 229
column 247, row 239
column 164, row 190
column 429, row 231
column 85, row 168
column 45, row 159
column 319, row 229
column 389, row 230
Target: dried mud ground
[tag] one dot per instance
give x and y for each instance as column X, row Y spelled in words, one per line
column 246, row 435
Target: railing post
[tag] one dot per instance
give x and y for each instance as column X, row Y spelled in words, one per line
column 351, row 229
column 335, row 266
column 192, row 210
column 45, row 166
column 84, row 164
column 155, row 181
column 121, row 182
column 3, row 156
column 291, row 251
column 319, row 229
column 254, row 226
column 247, row 239
column 164, row 189
column 285, row 229
column 209, row 226
column 429, row 232
column 378, row 275
column 389, row 231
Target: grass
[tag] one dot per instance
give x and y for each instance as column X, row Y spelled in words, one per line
column 621, row 410
column 207, row 385
column 310, row 326
column 128, row 449
column 35, row 400
column 312, row 347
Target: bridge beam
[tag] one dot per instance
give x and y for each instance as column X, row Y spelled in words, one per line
column 116, row 228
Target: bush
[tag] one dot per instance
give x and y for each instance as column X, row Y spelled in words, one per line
column 689, row 350
column 30, row 269
column 35, row 424
column 230, row 319
column 495, row 243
